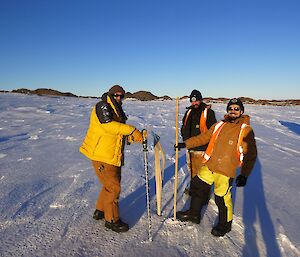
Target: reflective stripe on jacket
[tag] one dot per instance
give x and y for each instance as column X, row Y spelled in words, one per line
column 211, row 144
column 203, row 118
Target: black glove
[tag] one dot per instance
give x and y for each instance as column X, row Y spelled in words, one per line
column 241, row 181
column 179, row 146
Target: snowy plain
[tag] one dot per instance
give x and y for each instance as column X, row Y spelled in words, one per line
column 48, row 189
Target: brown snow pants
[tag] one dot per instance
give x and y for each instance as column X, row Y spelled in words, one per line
column 108, row 199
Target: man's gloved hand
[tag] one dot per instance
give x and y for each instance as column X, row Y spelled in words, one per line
column 179, row 146
column 136, row 136
column 241, row 180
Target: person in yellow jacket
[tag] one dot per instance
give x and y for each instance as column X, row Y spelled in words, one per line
column 104, row 146
column 231, row 143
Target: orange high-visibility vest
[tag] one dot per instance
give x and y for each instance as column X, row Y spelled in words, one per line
column 203, row 118
column 216, row 132
column 240, row 153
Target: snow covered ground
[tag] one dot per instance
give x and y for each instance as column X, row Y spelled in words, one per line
column 48, row 189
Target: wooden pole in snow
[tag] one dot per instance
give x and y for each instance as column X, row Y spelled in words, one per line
column 176, row 158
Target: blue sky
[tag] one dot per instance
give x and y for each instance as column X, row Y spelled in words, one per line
column 224, row 48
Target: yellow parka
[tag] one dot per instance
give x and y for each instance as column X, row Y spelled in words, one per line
column 105, row 141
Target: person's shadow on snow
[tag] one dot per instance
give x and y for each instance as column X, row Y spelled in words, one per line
column 134, row 205
column 254, row 207
column 292, row 126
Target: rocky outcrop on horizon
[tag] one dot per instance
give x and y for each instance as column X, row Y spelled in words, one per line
column 139, row 95
column 248, row 100
column 145, row 96
column 43, row 91
column 148, row 96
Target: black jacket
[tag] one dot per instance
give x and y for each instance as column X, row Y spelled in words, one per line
column 192, row 127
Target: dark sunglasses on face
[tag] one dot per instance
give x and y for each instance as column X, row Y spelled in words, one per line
column 235, row 108
column 117, row 95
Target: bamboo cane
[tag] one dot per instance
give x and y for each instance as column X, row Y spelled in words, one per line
column 176, row 158
column 160, row 161
column 158, row 158
column 158, row 179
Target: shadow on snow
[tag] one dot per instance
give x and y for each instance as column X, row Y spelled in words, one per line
column 255, row 208
column 133, row 206
column 18, row 137
column 291, row 126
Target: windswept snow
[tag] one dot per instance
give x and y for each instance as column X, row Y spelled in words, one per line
column 48, row 189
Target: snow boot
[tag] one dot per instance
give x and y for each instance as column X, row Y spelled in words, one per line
column 221, row 229
column 188, row 216
column 118, row 226
column 98, row 215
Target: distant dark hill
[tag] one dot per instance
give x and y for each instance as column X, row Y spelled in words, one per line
column 22, row 91
column 148, row 96
column 141, row 95
column 43, row 91
column 145, row 96
column 248, row 100
column 165, row 97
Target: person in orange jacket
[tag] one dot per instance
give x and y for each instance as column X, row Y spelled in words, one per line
column 104, row 146
column 231, row 143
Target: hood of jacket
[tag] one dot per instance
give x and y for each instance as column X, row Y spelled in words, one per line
column 117, row 107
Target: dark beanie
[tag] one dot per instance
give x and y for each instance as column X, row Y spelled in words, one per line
column 116, row 88
column 195, row 93
column 237, row 102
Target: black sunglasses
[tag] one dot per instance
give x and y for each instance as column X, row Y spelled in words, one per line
column 117, row 95
column 235, row 108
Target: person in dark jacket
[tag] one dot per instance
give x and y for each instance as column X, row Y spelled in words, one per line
column 231, row 145
column 104, row 146
column 198, row 118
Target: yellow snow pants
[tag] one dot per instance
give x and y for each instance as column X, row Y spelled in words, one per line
column 222, row 191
